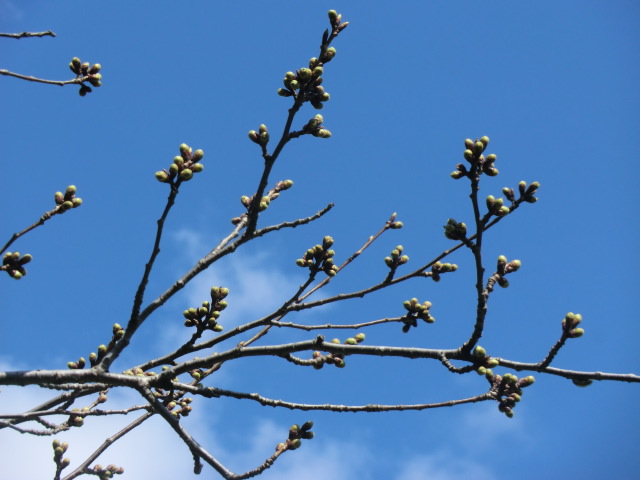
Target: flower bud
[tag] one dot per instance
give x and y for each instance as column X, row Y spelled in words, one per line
column 186, row 174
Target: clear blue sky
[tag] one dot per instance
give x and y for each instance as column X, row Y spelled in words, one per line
column 555, row 86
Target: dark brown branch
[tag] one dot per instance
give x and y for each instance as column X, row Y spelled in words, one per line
column 48, row 33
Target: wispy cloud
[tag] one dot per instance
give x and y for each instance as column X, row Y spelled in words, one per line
column 445, row 465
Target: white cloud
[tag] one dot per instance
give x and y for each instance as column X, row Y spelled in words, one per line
column 444, row 465
column 154, row 451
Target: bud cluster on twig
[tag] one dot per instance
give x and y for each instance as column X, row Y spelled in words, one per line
column 13, row 264
column 415, row 311
column 319, row 258
column 296, row 434
column 337, row 359
column 206, row 317
column 184, row 166
column 86, row 72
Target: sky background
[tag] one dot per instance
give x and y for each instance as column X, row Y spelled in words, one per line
column 553, row 84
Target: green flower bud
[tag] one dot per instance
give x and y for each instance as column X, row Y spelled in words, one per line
column 503, row 211
column 479, row 352
column 284, row 93
column 253, row 136
column 456, row 175
column 492, row 157
column 198, row 155
column 323, row 133
column 485, row 140
column 478, row 147
column 576, row 333
column 359, row 337
column 186, row 174
column 197, row 167
column 305, row 73
column 58, row 198
column 526, row 381
column 513, row 266
column 173, row 170
column 351, row 341
column 492, row 362
column 162, row 176
column 218, row 328
column 184, row 148
column 396, row 225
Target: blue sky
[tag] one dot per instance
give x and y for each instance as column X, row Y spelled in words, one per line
column 554, row 85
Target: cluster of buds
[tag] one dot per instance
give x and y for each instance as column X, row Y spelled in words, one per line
column 320, row 258
column 415, row 311
column 261, row 137
column 508, row 389
column 174, row 401
column 13, row 264
column 183, row 166
column 88, row 72
column 206, row 317
column 454, row 230
column 77, row 420
column 104, row 473
column 307, row 82
column 485, row 362
column 265, row 201
column 67, row 200
column 395, row 259
column 296, row 434
column 337, row 359
column 315, row 127
column 496, row 206
column 474, row 155
column 95, row 358
column 527, row 192
column 504, row 268
column 138, row 372
column 439, row 268
column 569, row 324
column 59, row 449
column 180, row 408
column 393, row 224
